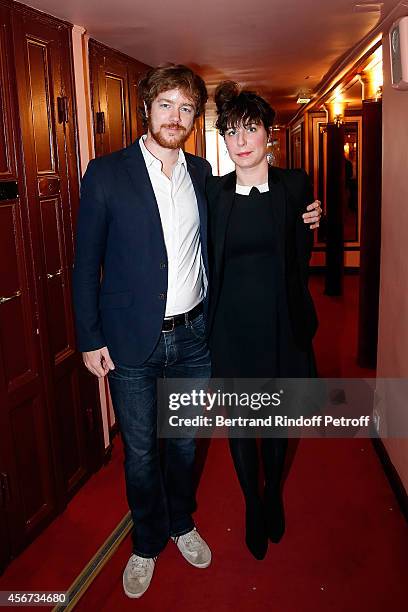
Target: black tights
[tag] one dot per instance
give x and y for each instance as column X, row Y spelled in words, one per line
column 244, row 453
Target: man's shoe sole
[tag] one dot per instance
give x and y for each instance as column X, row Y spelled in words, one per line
column 198, row 566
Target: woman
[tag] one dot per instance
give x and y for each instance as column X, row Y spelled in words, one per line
column 261, row 319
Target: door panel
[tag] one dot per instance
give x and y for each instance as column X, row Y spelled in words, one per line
column 40, row 99
column 114, row 78
column 7, row 153
column 115, row 112
column 30, row 435
column 5, row 545
column 57, row 296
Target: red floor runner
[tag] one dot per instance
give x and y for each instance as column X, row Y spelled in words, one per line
column 346, row 543
column 345, row 548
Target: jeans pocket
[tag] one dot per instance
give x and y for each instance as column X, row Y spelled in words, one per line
column 197, row 327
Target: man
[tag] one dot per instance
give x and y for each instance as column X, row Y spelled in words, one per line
column 143, row 218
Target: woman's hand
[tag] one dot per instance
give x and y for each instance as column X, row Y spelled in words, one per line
column 313, row 217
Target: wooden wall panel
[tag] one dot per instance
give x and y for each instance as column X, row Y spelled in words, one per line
column 7, row 152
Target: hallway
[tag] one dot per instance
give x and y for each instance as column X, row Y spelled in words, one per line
column 78, row 92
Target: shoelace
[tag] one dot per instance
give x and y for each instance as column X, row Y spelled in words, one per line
column 192, row 540
column 139, row 565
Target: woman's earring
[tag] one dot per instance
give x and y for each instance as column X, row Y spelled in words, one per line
column 269, row 154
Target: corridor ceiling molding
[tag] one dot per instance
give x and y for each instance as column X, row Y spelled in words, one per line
column 277, row 47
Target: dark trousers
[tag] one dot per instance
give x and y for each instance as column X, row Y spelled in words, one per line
column 160, row 489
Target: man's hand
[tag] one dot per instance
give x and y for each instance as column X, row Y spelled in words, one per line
column 98, row 362
column 314, row 216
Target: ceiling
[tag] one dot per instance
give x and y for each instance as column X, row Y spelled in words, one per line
column 274, row 46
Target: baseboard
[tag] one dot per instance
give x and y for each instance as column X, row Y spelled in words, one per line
column 320, row 270
column 392, row 476
column 82, row 583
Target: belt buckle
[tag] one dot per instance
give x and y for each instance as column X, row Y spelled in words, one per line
column 168, row 331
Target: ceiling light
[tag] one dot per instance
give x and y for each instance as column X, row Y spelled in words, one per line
column 303, row 97
column 368, row 7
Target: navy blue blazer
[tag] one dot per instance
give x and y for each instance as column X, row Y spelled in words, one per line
column 120, row 272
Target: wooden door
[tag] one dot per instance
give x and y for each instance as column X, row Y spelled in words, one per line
column 114, row 78
column 28, row 483
column 42, row 49
column 111, row 109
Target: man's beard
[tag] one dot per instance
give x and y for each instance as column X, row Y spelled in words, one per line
column 170, row 143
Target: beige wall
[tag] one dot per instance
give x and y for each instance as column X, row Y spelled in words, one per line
column 86, row 152
column 393, row 324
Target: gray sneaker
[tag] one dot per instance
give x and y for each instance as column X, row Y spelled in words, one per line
column 137, row 575
column 193, row 548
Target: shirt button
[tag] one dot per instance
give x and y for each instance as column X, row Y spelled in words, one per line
column 162, row 266
column 161, row 296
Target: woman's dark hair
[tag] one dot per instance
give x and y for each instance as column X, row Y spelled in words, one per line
column 235, row 106
column 162, row 78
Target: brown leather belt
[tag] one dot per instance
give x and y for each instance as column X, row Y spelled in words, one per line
column 182, row 319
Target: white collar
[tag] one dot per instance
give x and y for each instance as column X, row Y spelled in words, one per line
column 245, row 189
column 150, row 159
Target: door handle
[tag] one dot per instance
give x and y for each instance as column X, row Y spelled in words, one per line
column 4, row 299
column 100, row 122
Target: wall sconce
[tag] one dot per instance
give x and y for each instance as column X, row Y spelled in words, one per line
column 371, row 78
column 335, row 110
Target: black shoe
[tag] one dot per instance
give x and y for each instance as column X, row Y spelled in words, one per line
column 275, row 515
column 256, row 536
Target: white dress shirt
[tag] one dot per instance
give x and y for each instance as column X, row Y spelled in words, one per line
column 177, row 203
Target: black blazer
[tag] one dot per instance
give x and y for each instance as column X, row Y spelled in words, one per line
column 292, row 192
column 119, row 229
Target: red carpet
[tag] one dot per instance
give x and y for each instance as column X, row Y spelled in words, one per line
column 336, row 338
column 345, row 549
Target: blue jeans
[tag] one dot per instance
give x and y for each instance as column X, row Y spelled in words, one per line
column 159, row 483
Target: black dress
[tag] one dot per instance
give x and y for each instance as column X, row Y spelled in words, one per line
column 260, row 251
column 251, row 335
